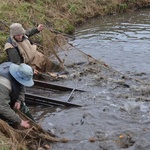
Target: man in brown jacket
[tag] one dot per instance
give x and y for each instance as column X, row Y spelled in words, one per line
column 20, row 50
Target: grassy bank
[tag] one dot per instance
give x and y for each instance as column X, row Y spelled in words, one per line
column 62, row 15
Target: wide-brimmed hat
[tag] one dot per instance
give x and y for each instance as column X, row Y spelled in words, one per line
column 22, row 73
column 16, row 29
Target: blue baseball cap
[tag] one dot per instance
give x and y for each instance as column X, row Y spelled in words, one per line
column 23, row 73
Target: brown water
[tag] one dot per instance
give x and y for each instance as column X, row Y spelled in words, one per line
column 114, row 111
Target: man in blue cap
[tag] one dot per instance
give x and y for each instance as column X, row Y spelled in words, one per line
column 13, row 78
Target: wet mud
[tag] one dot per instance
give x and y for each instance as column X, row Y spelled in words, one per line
column 115, row 112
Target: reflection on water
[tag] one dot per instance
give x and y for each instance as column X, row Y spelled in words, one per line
column 123, row 41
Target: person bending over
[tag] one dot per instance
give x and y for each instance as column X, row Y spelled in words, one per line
column 13, row 79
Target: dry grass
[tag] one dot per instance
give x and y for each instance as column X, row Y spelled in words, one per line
column 32, row 138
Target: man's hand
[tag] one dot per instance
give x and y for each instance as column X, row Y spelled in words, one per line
column 25, row 124
column 40, row 27
column 17, row 105
column 35, row 71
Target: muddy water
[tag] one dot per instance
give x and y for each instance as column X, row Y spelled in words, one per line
column 115, row 112
column 121, row 41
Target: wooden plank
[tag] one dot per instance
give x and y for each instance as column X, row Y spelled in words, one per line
column 45, row 85
column 45, row 100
